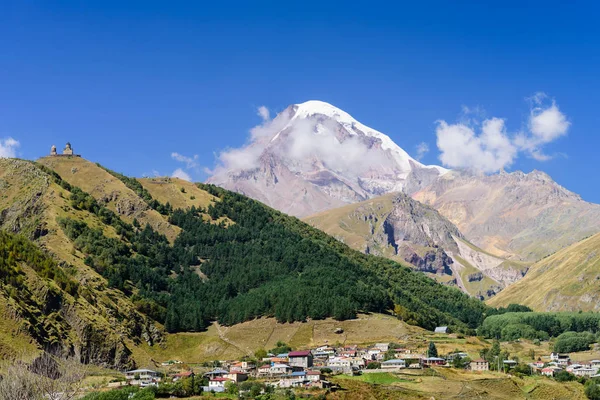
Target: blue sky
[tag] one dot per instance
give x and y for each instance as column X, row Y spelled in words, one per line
column 129, row 84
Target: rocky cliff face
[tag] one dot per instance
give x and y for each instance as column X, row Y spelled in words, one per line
column 400, row 228
column 314, row 156
column 516, row 215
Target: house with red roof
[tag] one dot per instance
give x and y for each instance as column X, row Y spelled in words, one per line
column 217, row 384
column 236, row 376
column 301, row 359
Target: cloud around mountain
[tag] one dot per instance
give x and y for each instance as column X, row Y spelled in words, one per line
column 487, row 146
column 8, row 147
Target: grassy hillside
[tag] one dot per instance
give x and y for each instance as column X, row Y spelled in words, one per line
column 109, row 191
column 565, row 281
column 446, row 384
column 94, row 316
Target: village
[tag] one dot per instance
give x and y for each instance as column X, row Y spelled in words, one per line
column 313, row 368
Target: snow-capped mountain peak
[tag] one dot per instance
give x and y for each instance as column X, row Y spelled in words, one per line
column 313, row 156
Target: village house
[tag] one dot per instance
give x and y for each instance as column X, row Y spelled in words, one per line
column 142, row 377
column 394, row 363
column 182, row 375
column 280, row 369
column 382, row 346
column 302, row 359
column 433, row 361
column 170, row 362
column 314, row 376
column 585, row 371
column 340, row 364
column 509, row 364
column 236, row 376
column 217, row 385
column 479, row 365
column 348, row 353
column 551, row 370
column 453, row 356
column 243, row 366
column 560, row 359
column 264, row 370
column 375, row 354
column 357, row 362
column 216, row 373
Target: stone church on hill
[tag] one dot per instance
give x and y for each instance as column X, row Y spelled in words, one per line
column 68, row 151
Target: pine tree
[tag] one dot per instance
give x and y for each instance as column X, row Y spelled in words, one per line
column 432, row 351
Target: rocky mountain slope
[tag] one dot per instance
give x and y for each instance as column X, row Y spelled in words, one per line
column 314, row 156
column 568, row 280
column 515, row 215
column 106, row 267
column 400, row 228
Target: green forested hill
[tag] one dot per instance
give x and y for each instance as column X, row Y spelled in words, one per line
column 232, row 259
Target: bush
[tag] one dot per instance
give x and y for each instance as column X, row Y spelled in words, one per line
column 564, row 376
column 374, row 365
column 592, row 389
column 574, row 341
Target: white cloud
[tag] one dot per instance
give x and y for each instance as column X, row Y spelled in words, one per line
column 190, row 162
column 181, row 174
column 488, row 147
column 488, row 151
column 307, row 141
column 264, row 113
column 8, row 147
column 422, row 149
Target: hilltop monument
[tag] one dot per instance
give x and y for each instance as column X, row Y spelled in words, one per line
column 68, row 151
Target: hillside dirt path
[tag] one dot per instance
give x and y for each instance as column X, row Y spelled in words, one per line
column 230, row 342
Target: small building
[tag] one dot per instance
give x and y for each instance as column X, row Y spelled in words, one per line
column 394, row 363
column 479, row 365
column 595, row 363
column 441, row 329
column 217, row 385
column 216, row 373
column 453, row 356
column 314, row 376
column 550, row 371
column 236, row 376
column 382, row 346
column 340, row 364
column 279, row 369
column 431, row 361
column 264, row 370
column 142, row 377
column 509, row 363
column 302, row 359
column 170, row 362
column 585, row 371
column 243, row 366
column 182, row 375
column 560, row 359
